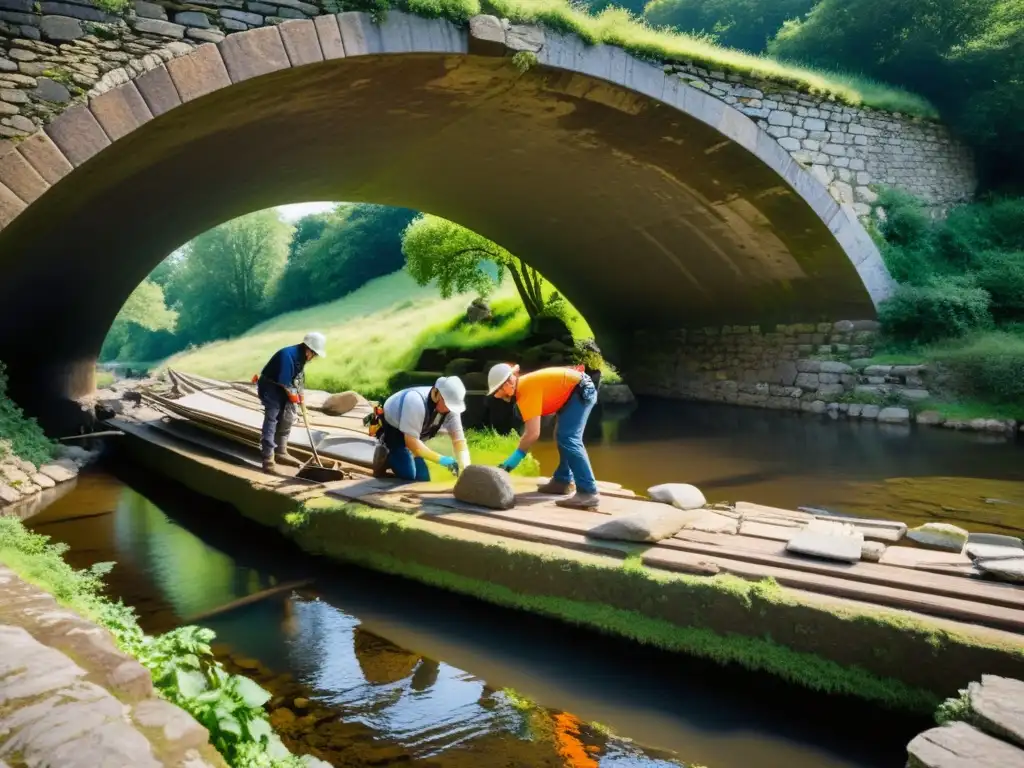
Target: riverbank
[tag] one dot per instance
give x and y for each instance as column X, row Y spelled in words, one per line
column 826, row 622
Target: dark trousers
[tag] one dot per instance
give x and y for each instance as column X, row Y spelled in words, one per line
column 278, row 418
column 400, row 458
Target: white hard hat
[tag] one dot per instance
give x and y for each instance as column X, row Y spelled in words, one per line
column 317, row 342
column 498, row 375
column 453, row 391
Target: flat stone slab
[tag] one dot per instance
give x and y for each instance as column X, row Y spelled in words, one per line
column 768, row 530
column 829, row 541
column 910, row 557
column 678, row 495
column 1004, row 569
column 998, row 705
column 939, row 536
column 760, row 512
column 651, row 525
column 959, row 745
column 710, row 521
column 994, row 546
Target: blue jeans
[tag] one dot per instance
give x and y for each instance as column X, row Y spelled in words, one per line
column 573, row 462
column 400, row 459
column 278, row 417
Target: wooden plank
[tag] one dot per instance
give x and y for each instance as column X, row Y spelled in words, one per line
column 760, row 512
column 934, row 605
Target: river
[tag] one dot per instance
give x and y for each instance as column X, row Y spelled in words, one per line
column 373, row 670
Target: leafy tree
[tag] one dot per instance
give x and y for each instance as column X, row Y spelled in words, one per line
column 455, row 257
column 143, row 313
column 744, row 24
column 354, row 244
column 227, row 275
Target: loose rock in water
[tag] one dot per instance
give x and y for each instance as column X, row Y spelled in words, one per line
column 485, row 486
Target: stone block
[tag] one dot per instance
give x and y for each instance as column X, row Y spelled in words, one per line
column 60, row 29
column 249, row 19
column 149, row 10
column 341, row 403
column 807, row 381
column 301, row 42
column 678, row 495
column 329, row 36
column 60, row 470
column 120, row 111
column 78, row 135
column 872, row 551
column 158, row 27
column 76, row 11
column 997, row 704
column 828, row 541
column 525, row 37
column 649, row 525
column 870, row 412
column 43, row 481
column 832, row 366
column 1003, row 569
column 485, row 486
column 297, row 5
column 939, row 536
column 212, row 35
column 359, row 34
column 157, row 90
column 18, row 175
column 258, row 52
column 830, row 390
column 894, row 416
column 176, row 725
column 930, row 418
column 199, row 73
column 19, row 6
column 52, row 91
column 45, row 157
column 192, row 19
column 959, row 745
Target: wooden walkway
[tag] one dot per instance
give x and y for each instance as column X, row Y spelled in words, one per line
column 747, row 540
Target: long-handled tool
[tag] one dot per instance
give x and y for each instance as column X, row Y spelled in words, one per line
column 319, row 473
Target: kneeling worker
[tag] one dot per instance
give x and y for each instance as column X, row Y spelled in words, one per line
column 568, row 393
column 415, row 415
column 279, row 388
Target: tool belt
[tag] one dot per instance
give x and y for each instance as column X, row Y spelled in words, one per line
column 374, row 422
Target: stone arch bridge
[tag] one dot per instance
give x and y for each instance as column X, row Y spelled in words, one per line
column 653, row 202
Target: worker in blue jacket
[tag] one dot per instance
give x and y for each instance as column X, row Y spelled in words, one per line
column 280, row 387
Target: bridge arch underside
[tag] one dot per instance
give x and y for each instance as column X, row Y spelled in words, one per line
column 643, row 215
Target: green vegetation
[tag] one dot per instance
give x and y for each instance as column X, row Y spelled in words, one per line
column 959, row 300
column 747, row 25
column 397, row 543
column 486, row 446
column 20, row 434
column 181, row 662
column 518, row 700
column 955, row 708
column 104, row 379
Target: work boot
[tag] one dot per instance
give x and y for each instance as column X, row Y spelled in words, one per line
column 557, row 488
column 270, row 467
column 283, row 457
column 580, row 500
column 380, row 460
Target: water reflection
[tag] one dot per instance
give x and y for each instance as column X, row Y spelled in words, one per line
column 789, row 460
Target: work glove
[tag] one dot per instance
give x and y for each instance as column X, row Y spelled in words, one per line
column 512, row 461
column 294, row 397
column 450, row 464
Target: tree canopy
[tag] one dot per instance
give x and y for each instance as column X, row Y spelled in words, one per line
column 456, row 258
column 744, row 24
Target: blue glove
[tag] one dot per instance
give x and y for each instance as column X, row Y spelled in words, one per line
column 450, row 464
column 512, row 461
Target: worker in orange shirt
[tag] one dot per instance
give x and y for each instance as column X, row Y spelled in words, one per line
column 571, row 395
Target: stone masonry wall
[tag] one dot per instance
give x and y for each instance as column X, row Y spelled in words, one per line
column 850, row 149
column 54, row 52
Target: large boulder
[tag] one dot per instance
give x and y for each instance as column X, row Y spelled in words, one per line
column 479, row 311
column 678, row 495
column 650, row 525
column 486, row 487
column 341, row 403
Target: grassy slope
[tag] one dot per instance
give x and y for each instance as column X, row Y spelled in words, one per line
column 615, row 26
column 371, row 334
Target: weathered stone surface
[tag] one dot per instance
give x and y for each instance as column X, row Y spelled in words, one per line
column 158, row 27
column 330, row 36
column 930, row 418
column 256, row 53
column 18, row 175
column 486, row 35
column 150, row 10
column 78, row 135
column 894, row 416
column 958, row 745
column 939, row 536
column 120, row 111
column 8, row 495
column 341, row 403
column 205, row 35
column 872, row 551
column 176, row 724
column 52, row 91
column 192, row 19
column 997, row 704
column 359, row 35
column 525, row 37
column 157, row 90
column 1003, row 569
column 60, row 29
column 710, row 521
column 301, row 42
column 60, row 470
column 486, row 486
column 827, row 540
column 870, row 412
column 993, row 545
column 76, row 11
column 45, row 157
column 199, row 73
column 43, row 481
column 643, row 526
column 678, row 495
